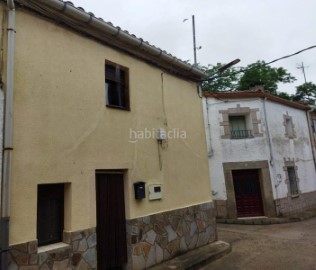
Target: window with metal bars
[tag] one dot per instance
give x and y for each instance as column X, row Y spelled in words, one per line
column 238, row 127
column 292, row 180
column 116, row 86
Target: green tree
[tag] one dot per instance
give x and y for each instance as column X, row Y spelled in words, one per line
column 224, row 81
column 242, row 79
column 261, row 74
column 284, row 95
column 305, row 93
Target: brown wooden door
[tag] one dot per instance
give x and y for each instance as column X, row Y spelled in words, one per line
column 247, row 193
column 111, row 228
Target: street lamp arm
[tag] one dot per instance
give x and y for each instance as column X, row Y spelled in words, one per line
column 221, row 70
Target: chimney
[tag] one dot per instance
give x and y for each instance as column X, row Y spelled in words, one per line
column 257, row 88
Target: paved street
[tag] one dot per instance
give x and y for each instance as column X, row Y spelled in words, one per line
column 290, row 246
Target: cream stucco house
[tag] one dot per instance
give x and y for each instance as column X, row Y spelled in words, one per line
column 104, row 162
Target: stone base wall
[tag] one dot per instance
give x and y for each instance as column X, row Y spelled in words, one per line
column 289, row 205
column 77, row 252
column 159, row 237
column 221, row 208
column 150, row 240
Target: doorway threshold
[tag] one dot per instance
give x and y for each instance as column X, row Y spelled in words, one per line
column 256, row 217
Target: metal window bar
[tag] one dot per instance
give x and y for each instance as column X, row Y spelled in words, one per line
column 292, row 180
column 241, row 134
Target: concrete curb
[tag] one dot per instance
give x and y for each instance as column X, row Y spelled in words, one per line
column 196, row 258
column 268, row 221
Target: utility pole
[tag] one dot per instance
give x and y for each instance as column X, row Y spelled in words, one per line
column 194, row 43
column 302, row 67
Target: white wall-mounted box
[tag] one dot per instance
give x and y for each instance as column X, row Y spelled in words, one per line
column 155, row 192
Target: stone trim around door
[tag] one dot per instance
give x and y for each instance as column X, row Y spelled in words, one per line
column 159, row 237
column 265, row 184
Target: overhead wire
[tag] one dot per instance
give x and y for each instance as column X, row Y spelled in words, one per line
column 241, row 70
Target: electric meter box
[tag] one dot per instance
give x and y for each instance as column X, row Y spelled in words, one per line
column 161, row 134
column 155, row 192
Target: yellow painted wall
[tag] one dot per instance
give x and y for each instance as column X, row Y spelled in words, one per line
column 63, row 132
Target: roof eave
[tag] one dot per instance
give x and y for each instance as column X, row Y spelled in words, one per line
column 79, row 19
column 251, row 94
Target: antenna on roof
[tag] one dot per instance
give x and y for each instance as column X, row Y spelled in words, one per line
column 194, row 39
column 302, row 67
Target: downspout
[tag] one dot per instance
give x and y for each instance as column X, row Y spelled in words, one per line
column 271, row 161
column 312, row 137
column 8, row 138
column 210, row 151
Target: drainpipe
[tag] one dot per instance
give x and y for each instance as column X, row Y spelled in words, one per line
column 209, row 136
column 7, row 143
column 312, row 137
column 271, row 161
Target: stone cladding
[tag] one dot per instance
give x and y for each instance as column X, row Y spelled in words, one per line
column 160, row 237
column 150, row 240
column 77, row 252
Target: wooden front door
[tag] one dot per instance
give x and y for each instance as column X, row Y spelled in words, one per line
column 247, row 193
column 111, row 228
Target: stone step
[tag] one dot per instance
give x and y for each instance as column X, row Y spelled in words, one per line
column 196, row 258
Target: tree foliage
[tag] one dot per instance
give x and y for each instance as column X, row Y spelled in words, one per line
column 242, row 79
column 305, row 93
column 226, row 81
column 261, row 74
column 284, row 95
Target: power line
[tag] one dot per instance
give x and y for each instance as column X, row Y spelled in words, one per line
column 264, row 64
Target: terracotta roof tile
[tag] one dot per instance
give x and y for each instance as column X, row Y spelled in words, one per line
column 255, row 94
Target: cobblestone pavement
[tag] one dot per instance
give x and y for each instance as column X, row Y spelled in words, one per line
column 290, row 246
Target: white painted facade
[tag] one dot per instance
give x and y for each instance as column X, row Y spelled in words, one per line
column 271, row 124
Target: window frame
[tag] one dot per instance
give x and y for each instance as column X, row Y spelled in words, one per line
column 50, row 201
column 251, row 117
column 245, row 133
column 289, row 126
column 122, row 86
column 290, row 163
column 292, row 180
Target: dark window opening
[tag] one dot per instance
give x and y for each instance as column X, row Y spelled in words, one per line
column 292, row 180
column 116, row 84
column 50, row 213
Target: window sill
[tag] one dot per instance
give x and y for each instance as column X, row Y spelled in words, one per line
column 52, row 247
column 251, row 137
column 118, row 107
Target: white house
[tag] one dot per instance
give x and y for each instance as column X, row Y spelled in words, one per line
column 260, row 155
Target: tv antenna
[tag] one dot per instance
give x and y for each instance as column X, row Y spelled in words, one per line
column 302, row 67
